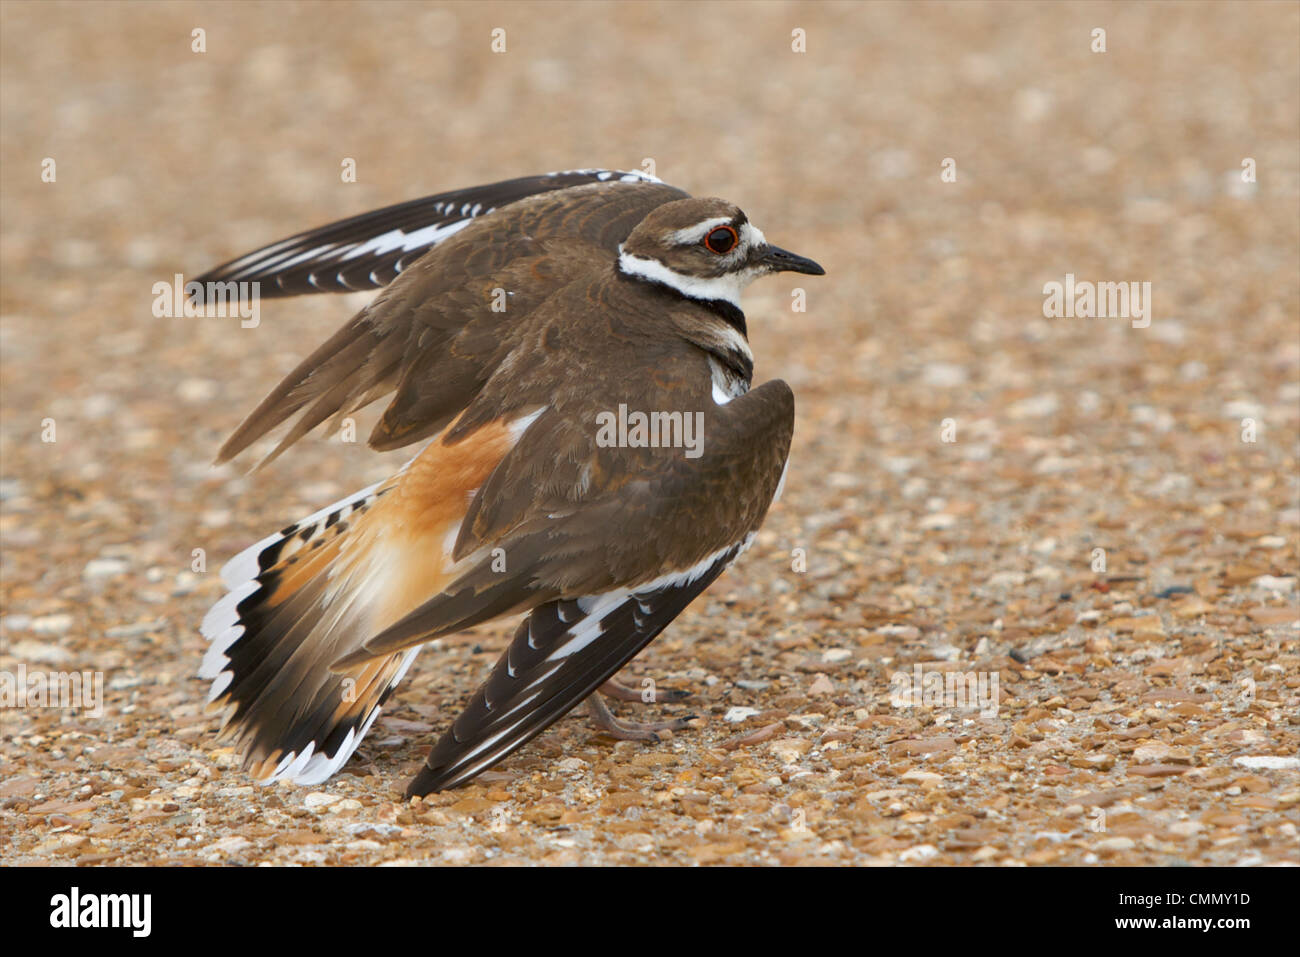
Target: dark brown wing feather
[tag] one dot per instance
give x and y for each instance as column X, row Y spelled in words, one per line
column 539, row 679
column 433, row 334
column 641, row 518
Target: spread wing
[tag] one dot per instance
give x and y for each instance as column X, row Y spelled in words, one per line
column 435, row 334
column 597, row 598
column 368, row 251
column 561, row 653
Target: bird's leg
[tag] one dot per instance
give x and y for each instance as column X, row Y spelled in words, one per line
column 603, row 719
column 650, row 695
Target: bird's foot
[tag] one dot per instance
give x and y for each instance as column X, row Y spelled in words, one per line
column 603, row 719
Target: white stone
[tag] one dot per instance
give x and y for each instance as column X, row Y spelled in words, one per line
column 1115, row 844
column 105, row 568
column 921, row 852
column 1275, row 583
column 51, row 624
column 1267, row 762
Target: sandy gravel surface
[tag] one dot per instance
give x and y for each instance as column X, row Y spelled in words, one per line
column 1148, row 710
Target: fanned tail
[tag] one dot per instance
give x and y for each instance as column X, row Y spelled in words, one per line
column 296, row 600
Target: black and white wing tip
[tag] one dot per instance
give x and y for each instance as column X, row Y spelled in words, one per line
column 368, row 251
column 561, row 653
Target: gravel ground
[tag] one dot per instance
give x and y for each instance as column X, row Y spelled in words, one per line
column 959, row 458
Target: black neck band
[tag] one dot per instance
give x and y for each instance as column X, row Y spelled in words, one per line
column 728, row 312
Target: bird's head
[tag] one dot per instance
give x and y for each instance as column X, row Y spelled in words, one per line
column 705, row 249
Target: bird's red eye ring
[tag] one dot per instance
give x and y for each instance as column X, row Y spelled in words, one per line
column 721, row 240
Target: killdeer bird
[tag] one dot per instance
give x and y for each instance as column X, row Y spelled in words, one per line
column 516, row 322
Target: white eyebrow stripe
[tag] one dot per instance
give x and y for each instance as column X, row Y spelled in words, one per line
column 751, row 235
column 693, row 234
